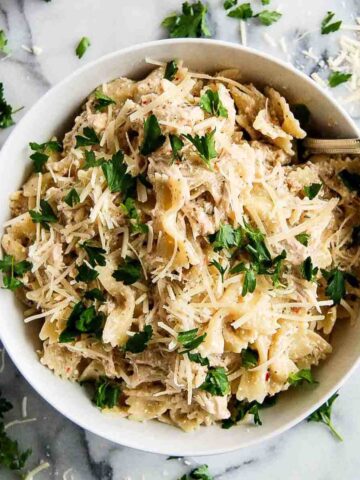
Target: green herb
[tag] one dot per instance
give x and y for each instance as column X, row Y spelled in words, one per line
column 128, row 272
column 88, row 138
column 116, row 177
column 3, row 43
column 327, row 26
column 312, row 190
column 199, row 473
column 86, row 274
column 350, row 180
column 265, row 2
column 256, row 244
column 50, row 146
column 95, row 294
column 153, row 138
column 102, row 100
column 249, row 284
column 83, row 45
column 308, row 271
column 82, row 320
column 323, row 414
column 138, row 342
column 301, row 376
column 243, row 12
column 39, row 160
column 197, row 358
column 190, row 23
column 249, row 357
column 45, row 216
column 216, row 382
column 107, row 393
column 95, row 254
column 302, row 114
column 335, row 284
column 6, row 110
column 189, row 339
column 210, row 102
column 72, row 198
column 226, row 237
column 266, row 17
column 240, row 409
column 303, row 238
column 176, row 146
column 205, row 145
column 170, row 70
column 336, row 78
column 130, row 210
column 219, row 267
column 277, row 264
column 12, row 271
column 229, row 4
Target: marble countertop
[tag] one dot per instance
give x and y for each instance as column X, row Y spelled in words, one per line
column 306, row 451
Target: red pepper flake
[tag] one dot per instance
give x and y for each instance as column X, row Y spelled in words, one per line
column 267, row 377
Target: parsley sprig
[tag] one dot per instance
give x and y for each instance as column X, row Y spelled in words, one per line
column 216, row 382
column 117, row 178
column 170, row 70
column 45, row 216
column 82, row 320
column 128, row 272
column 12, row 271
column 337, row 78
column 107, row 393
column 153, row 138
column 249, row 358
column 301, row 376
column 335, row 289
column 205, row 145
column 42, row 152
column 88, row 138
column 191, row 22
column 312, row 190
column 240, row 409
column 86, row 274
column 219, row 267
column 308, row 271
column 138, row 342
column 102, row 101
column 6, row 110
column 82, row 46
column 72, row 198
column 131, row 211
column 323, row 415
column 210, row 102
column 190, row 340
column 96, row 254
column 176, row 145
column 327, row 26
column 3, row 43
column 199, row 473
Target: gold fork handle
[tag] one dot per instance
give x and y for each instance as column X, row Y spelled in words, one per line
column 350, row 146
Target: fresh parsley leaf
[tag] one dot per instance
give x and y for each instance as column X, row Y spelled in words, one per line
column 226, row 237
column 303, row 375
column 205, row 145
column 229, row 4
column 189, row 339
column 107, row 393
column 153, row 138
column 327, row 26
column 116, row 177
column 39, row 159
column 12, row 271
column 190, row 23
column 6, row 110
column 95, row 294
column 102, row 100
column 22, row 267
column 88, row 138
column 95, row 254
column 83, row 45
column 10, row 454
column 256, row 244
column 128, row 272
column 336, row 78
column 216, row 382
column 138, row 342
column 249, row 358
column 242, row 12
column 266, row 17
column 199, row 473
column 131, row 211
column 82, row 320
column 308, row 271
column 265, row 2
column 197, row 358
column 323, row 414
column 210, row 102
column 90, row 321
column 249, row 284
column 302, row 114
column 176, row 145
column 240, row 409
column 277, row 264
column 3, row 43
column 72, row 197
column 350, row 180
column 303, row 238
column 45, row 216
column 335, row 284
column 170, row 70
column 219, row 267
column 312, row 190
column 50, row 146
column 86, row 274
column 90, row 160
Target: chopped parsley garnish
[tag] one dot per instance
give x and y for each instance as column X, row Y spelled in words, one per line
column 337, row 78
column 72, row 198
column 3, row 43
column 229, row 4
column 170, row 70
column 256, row 244
column 86, row 274
column 267, row 17
column 199, row 473
column 249, row 357
column 210, row 102
column 327, row 26
column 189, row 339
column 90, row 160
column 242, row 12
column 190, row 23
column 128, row 272
column 40, row 157
column 216, row 382
column 88, row 138
column 226, row 237
column 303, row 238
column 95, row 254
column 95, row 294
column 240, row 409
column 249, row 284
column 176, row 145
column 350, row 180
column 83, row 45
column 107, row 393
column 39, row 160
column 197, row 358
column 308, row 271
column 131, row 211
column 205, row 145
column 116, row 177
column 12, row 271
column 219, row 267
column 265, row 2
column 82, row 320
column 102, row 100
column 153, row 138
column 335, row 284
column 6, row 110
column 303, row 375
column 323, row 414
column 312, row 190
column 45, row 216
column 138, row 342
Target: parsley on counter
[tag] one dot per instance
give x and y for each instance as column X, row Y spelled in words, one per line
column 138, row 342
column 210, row 102
column 45, row 216
column 83, row 45
column 6, row 110
column 323, row 415
column 102, row 100
column 153, row 138
column 88, row 138
column 170, row 70
column 337, row 78
column 216, row 382
column 12, row 271
column 189, row 339
column 327, row 26
column 107, row 393
column 267, row 17
column 3, row 43
column 199, row 473
column 191, row 22
column 242, row 12
column 128, row 272
column 82, row 320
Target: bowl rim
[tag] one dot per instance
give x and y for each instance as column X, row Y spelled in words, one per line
column 59, row 405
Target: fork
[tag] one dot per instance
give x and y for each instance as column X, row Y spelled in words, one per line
column 343, row 145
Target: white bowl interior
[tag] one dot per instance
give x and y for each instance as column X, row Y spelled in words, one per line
column 47, row 118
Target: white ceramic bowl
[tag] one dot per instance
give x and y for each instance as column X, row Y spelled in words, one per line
column 51, row 115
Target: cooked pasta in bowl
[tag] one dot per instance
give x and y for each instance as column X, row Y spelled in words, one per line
column 179, row 256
